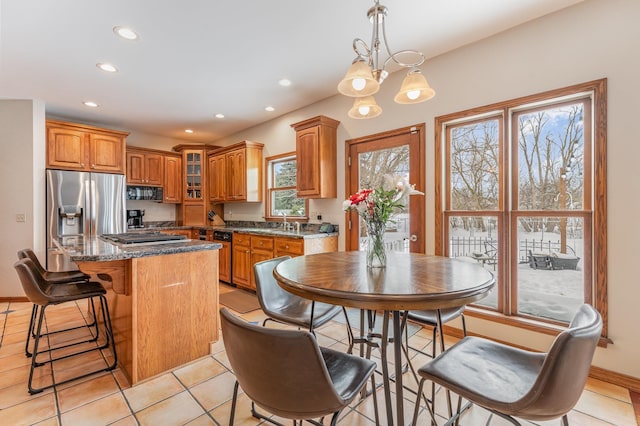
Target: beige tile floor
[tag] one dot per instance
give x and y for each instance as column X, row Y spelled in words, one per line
column 199, row 393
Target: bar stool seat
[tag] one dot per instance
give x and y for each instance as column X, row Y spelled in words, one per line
column 43, row 294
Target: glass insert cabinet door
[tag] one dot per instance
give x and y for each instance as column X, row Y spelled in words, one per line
column 193, row 175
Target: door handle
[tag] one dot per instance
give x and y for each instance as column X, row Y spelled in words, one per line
column 413, row 238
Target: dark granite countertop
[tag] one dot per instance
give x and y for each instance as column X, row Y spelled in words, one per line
column 95, row 249
column 279, row 232
column 307, row 231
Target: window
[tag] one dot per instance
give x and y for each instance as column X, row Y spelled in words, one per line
column 523, row 194
column 281, row 189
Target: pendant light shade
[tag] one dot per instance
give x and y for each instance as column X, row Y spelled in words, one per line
column 369, row 69
column 365, row 107
column 359, row 80
column 414, row 89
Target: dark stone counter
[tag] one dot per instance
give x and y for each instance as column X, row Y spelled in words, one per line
column 95, row 249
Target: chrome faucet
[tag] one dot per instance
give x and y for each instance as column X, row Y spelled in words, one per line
column 284, row 221
column 297, row 227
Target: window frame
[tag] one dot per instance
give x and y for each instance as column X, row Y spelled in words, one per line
column 269, row 163
column 508, row 213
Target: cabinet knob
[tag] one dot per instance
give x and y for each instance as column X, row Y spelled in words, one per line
column 286, row 246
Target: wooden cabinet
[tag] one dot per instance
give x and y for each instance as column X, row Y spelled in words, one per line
column 289, row 247
column 172, row 191
column 316, row 144
column 217, row 178
column 85, row 148
column 241, row 260
column 193, row 210
column 247, row 251
column 251, row 249
column 293, row 247
column 224, row 264
column 145, row 168
column 236, row 173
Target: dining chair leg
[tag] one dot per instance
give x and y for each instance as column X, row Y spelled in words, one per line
column 233, row 404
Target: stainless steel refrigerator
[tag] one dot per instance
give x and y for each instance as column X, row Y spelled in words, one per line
column 82, row 204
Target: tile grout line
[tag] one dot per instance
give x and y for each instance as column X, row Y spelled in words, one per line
column 194, row 397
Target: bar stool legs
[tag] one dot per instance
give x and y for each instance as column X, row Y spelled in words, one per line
column 36, row 363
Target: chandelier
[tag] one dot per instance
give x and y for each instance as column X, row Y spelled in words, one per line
column 367, row 72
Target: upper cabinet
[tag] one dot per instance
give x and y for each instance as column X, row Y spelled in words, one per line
column 193, row 210
column 145, row 167
column 236, row 173
column 217, row 178
column 172, row 179
column 85, row 148
column 316, row 140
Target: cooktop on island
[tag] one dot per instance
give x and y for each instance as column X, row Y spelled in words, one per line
column 142, row 237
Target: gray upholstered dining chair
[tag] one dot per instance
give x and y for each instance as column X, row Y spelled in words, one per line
column 285, row 372
column 512, row 382
column 43, row 294
column 287, row 308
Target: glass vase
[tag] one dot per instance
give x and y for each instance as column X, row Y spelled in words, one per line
column 376, row 255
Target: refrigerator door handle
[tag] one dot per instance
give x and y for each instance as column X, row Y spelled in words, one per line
column 94, row 225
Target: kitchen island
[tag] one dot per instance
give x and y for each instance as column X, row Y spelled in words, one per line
column 163, row 299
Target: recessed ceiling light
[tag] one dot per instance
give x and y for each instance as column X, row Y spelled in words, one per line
column 188, row 131
column 219, row 115
column 126, row 33
column 90, row 104
column 284, row 82
column 106, row 67
column 270, row 109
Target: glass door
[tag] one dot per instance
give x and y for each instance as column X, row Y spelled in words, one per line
column 398, row 153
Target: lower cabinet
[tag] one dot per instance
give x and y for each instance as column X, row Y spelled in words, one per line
column 251, row 249
column 224, row 262
column 241, row 260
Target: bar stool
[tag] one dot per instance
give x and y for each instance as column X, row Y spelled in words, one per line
column 63, row 277
column 43, row 294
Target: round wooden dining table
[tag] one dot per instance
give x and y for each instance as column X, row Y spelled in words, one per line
column 409, row 281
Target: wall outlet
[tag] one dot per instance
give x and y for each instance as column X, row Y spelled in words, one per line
column 21, row 217
column 319, row 216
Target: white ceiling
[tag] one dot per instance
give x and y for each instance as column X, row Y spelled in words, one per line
column 196, row 58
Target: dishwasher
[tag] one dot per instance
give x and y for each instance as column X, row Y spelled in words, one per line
column 225, row 261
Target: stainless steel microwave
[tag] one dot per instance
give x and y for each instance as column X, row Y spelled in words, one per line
column 150, row 193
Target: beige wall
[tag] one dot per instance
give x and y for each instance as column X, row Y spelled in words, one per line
column 591, row 40
column 22, row 138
